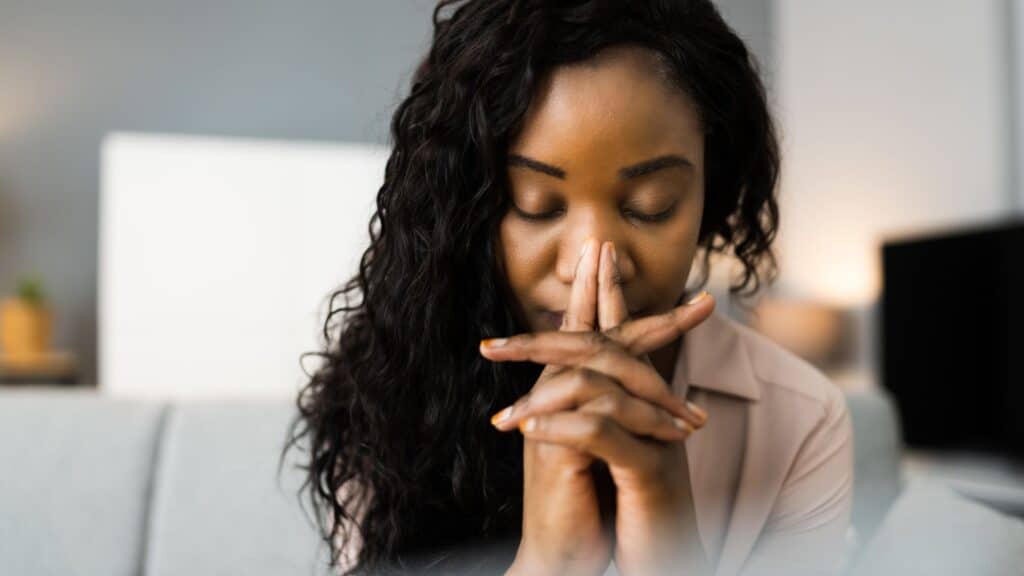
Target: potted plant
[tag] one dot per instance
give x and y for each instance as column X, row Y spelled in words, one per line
column 25, row 322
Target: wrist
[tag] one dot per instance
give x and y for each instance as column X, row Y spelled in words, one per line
column 664, row 538
column 527, row 564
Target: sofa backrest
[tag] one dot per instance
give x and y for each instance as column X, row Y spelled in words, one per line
column 75, row 477
column 93, row 485
column 219, row 506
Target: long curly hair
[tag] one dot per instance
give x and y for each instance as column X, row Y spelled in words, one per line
column 401, row 458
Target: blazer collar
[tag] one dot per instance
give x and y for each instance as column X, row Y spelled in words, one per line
column 714, row 356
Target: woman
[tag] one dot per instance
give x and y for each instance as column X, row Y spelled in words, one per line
column 556, row 169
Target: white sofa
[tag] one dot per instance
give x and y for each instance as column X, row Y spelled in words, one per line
column 92, row 485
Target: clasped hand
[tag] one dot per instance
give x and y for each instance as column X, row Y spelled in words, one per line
column 600, row 397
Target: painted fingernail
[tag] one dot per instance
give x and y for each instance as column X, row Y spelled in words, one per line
column 682, row 424
column 528, row 425
column 494, row 342
column 697, row 410
column 697, row 298
column 502, row 416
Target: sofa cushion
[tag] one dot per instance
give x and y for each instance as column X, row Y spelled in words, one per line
column 75, row 481
column 219, row 506
column 932, row 531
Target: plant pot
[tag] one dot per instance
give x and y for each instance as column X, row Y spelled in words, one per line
column 25, row 328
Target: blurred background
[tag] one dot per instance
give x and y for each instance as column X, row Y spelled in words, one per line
column 183, row 183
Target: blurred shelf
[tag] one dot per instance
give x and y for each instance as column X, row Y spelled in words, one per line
column 55, row 367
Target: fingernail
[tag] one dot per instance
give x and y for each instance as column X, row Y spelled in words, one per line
column 502, row 416
column 528, row 424
column 697, row 410
column 494, row 342
column 697, row 298
column 682, row 424
column 615, row 255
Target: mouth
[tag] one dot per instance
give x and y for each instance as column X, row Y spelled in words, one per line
column 553, row 318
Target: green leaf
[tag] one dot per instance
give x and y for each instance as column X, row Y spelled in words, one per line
column 31, row 291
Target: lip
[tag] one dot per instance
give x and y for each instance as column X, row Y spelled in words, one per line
column 553, row 318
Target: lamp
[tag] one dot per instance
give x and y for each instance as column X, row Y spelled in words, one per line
column 814, row 331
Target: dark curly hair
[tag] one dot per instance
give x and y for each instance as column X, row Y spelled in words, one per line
column 401, row 456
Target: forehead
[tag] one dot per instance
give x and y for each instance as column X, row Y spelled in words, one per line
column 616, row 108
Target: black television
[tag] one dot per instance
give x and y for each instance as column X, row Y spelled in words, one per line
column 952, row 338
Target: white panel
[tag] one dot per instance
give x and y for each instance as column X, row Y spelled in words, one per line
column 217, row 256
column 895, row 120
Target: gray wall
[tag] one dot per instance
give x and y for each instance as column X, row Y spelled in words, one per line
column 71, row 71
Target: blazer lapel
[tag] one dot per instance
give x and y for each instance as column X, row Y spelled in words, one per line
column 715, row 357
column 761, row 476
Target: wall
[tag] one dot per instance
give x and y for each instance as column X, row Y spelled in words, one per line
column 896, row 120
column 71, row 71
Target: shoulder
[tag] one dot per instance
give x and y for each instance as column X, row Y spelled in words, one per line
column 800, row 423
column 785, row 381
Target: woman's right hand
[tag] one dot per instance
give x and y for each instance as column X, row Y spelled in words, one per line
column 563, row 531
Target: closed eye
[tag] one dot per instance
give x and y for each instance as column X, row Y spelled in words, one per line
column 651, row 218
column 629, row 213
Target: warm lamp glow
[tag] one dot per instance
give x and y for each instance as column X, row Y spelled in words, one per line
column 811, row 330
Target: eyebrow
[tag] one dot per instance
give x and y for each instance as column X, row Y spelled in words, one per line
column 625, row 173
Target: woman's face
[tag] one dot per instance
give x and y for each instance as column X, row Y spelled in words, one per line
column 610, row 150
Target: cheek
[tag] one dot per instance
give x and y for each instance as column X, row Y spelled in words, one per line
column 667, row 266
column 525, row 255
column 666, row 259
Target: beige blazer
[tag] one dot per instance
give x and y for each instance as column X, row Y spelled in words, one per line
column 772, row 470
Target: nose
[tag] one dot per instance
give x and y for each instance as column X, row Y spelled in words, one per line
column 604, row 228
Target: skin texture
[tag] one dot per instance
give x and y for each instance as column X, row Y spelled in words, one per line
column 603, row 396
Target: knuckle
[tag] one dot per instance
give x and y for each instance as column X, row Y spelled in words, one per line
column 615, row 333
column 546, row 380
column 612, row 404
column 678, row 320
column 579, row 381
column 663, row 415
column 539, row 423
column 595, row 340
column 594, row 428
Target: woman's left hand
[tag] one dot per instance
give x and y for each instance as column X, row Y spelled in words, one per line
column 655, row 522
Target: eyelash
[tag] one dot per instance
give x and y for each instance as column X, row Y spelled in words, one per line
column 646, row 218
